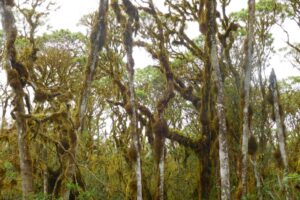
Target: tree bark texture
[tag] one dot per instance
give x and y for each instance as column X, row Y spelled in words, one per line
column 246, row 92
column 223, row 146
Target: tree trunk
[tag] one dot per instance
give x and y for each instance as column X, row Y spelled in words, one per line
column 223, row 147
column 134, row 124
column 97, row 41
column 204, row 187
column 257, row 178
column 205, row 177
column 14, row 79
column 278, row 119
column 161, row 167
column 280, row 124
column 247, row 81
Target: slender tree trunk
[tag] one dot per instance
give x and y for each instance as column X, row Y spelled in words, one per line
column 4, row 108
column 223, row 146
column 247, row 81
column 97, row 41
column 134, row 125
column 161, row 167
column 205, row 177
column 10, row 33
column 279, row 120
column 280, row 124
column 257, row 178
column 45, row 182
column 135, row 137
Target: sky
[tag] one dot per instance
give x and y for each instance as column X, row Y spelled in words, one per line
column 71, row 11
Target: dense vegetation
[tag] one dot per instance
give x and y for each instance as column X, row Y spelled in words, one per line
column 207, row 119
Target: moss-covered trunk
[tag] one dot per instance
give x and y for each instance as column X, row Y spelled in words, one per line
column 16, row 81
column 223, row 146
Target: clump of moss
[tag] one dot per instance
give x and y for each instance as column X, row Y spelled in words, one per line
column 128, row 108
column 131, row 153
column 160, row 130
column 252, row 145
column 13, row 79
column 40, row 96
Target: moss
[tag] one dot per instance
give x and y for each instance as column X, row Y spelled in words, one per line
column 131, row 153
column 22, row 70
column 238, row 192
column 160, row 130
column 250, row 114
column 160, row 127
column 252, row 145
column 128, row 108
column 216, row 124
column 40, row 96
column 277, row 157
column 63, row 146
column 270, row 98
column 13, row 79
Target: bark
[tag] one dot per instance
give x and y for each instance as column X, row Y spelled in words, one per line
column 204, row 187
column 161, row 167
column 4, row 108
column 127, row 39
column 97, row 41
column 10, row 33
column 280, row 125
column 247, row 81
column 279, row 120
column 205, row 176
column 45, row 182
column 223, row 147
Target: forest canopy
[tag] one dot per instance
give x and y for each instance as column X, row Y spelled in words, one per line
column 206, row 119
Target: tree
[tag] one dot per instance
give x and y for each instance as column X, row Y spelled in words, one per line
column 246, row 92
column 100, row 127
column 223, row 146
column 17, row 76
